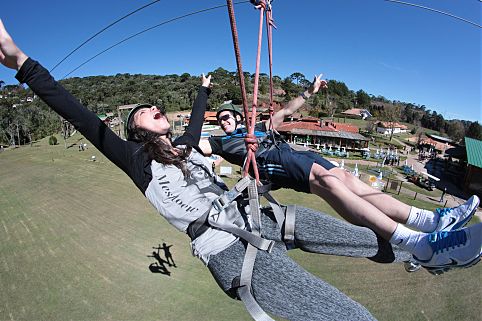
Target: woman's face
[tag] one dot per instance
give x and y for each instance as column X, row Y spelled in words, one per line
column 227, row 121
column 151, row 119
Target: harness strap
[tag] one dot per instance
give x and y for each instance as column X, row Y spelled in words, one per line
column 224, row 200
column 250, row 237
column 221, row 204
column 243, row 288
column 254, row 237
column 278, row 211
column 289, row 228
column 285, row 217
column 201, row 225
column 198, row 226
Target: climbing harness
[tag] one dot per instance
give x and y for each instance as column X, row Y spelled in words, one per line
column 284, row 215
column 224, row 213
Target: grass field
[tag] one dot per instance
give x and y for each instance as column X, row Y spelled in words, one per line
column 75, row 236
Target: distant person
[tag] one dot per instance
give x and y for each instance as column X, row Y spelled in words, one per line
column 160, row 167
column 443, row 194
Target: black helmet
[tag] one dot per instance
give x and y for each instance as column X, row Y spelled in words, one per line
column 129, row 124
column 231, row 107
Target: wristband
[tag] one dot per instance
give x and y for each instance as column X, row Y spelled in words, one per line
column 304, row 96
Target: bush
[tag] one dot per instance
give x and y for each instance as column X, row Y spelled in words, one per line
column 52, row 140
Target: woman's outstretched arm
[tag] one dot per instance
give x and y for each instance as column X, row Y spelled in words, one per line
column 192, row 135
column 66, row 105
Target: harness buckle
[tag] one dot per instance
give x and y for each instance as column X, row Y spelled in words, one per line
column 219, row 204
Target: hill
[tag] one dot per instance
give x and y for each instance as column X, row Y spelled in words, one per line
column 24, row 118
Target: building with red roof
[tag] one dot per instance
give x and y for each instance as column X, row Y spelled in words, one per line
column 315, row 131
column 386, row 127
column 357, row 113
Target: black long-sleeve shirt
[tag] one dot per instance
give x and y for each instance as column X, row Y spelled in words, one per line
column 179, row 199
column 128, row 156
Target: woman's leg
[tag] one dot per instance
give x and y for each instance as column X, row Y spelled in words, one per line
column 392, row 207
column 350, row 206
column 320, row 233
column 283, row 288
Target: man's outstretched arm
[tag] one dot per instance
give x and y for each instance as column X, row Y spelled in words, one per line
column 294, row 104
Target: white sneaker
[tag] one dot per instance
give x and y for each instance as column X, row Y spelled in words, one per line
column 453, row 249
column 454, row 218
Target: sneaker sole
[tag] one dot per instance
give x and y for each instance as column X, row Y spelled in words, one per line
column 442, row 269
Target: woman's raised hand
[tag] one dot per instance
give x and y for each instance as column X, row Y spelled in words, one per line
column 206, row 81
column 10, row 55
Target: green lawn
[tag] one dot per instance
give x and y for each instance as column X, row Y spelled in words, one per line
column 75, row 236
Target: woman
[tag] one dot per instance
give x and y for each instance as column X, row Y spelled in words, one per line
column 167, row 173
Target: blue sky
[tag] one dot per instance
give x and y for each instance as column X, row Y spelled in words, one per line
column 397, row 51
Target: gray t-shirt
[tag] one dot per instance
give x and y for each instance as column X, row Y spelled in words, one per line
column 182, row 200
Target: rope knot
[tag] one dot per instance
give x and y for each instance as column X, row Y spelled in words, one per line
column 259, row 4
column 251, row 142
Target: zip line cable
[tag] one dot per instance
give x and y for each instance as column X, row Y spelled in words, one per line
column 148, row 29
column 101, row 31
column 435, row 10
column 202, row 11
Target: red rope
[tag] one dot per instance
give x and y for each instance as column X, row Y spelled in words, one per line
column 258, row 59
column 269, row 31
column 250, row 140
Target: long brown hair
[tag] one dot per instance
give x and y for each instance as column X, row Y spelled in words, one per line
column 161, row 152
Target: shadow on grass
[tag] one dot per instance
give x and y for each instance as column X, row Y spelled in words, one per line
column 160, row 265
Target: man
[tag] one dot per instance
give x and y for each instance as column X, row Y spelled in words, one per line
column 308, row 172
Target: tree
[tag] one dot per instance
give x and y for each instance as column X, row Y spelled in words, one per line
column 184, row 77
column 456, row 130
column 362, row 98
column 330, row 107
column 370, row 126
column 297, row 77
column 474, row 131
column 338, row 88
column 290, row 88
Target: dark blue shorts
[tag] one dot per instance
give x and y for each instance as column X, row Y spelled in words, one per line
column 287, row 168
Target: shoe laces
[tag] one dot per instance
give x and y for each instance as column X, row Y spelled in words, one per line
column 444, row 240
column 443, row 211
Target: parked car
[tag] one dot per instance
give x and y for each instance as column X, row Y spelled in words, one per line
column 422, row 181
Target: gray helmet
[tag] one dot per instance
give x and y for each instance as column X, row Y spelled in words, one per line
column 129, row 125
column 231, row 107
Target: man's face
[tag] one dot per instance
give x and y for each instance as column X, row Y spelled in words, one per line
column 227, row 121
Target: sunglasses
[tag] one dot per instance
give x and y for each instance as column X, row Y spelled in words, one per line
column 225, row 117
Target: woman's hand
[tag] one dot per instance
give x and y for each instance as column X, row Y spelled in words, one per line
column 10, row 55
column 206, row 81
